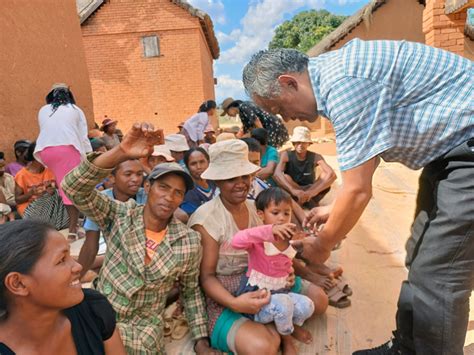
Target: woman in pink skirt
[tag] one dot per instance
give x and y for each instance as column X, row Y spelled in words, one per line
column 62, row 141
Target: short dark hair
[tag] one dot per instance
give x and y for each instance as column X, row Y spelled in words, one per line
column 252, row 143
column 260, row 134
column 29, row 154
column 272, row 194
column 22, row 243
column 207, row 106
column 117, row 167
column 188, row 153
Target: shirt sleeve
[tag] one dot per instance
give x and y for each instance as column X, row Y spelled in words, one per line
column 90, row 225
column 360, row 111
column 79, row 185
column 194, row 304
column 273, row 155
column 246, row 238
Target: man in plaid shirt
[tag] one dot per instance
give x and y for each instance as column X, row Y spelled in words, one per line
column 402, row 102
column 148, row 250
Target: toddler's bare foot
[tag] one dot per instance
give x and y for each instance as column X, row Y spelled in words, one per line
column 288, row 345
column 325, row 270
column 302, row 335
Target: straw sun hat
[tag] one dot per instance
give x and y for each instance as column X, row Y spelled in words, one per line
column 301, row 134
column 229, row 159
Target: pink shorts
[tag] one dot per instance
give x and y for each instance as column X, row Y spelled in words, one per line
column 61, row 160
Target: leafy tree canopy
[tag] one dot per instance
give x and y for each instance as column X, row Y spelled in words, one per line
column 305, row 29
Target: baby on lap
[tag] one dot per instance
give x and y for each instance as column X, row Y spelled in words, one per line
column 270, row 263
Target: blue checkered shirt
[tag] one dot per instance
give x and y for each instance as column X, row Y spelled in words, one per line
column 406, row 102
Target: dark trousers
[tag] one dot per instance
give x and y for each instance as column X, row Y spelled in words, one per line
column 433, row 308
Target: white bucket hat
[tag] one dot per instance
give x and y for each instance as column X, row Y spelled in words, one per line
column 229, row 159
column 176, row 143
column 162, row 151
column 301, row 134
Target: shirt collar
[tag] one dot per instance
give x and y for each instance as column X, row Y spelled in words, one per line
column 314, row 76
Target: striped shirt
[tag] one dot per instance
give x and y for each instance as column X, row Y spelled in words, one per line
column 406, row 102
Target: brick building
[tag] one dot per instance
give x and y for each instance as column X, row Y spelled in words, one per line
column 40, row 45
column 148, row 59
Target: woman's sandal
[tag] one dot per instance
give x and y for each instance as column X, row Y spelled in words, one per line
column 343, row 285
column 72, row 237
column 337, row 298
column 180, row 329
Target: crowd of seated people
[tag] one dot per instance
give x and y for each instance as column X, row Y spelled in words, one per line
column 170, row 213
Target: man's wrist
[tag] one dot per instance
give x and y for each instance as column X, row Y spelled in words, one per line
column 326, row 241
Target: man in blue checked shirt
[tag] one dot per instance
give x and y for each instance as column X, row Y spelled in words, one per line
column 402, row 102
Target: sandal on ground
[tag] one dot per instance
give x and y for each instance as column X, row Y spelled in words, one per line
column 337, row 298
column 343, row 285
column 180, row 329
column 168, row 328
column 72, row 237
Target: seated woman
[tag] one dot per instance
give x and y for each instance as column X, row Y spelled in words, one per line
column 197, row 161
column 222, row 266
column 36, row 194
column 43, row 309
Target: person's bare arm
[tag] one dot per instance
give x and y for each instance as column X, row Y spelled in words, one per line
column 89, row 251
column 279, row 175
column 250, row 302
column 22, row 196
column 298, row 212
column 181, row 215
column 326, row 178
column 268, row 171
column 351, row 201
column 114, row 345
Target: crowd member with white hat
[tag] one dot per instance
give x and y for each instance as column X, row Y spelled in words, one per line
column 223, row 266
column 296, row 171
column 178, row 145
column 160, row 154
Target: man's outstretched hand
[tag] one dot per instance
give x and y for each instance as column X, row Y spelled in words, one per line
column 139, row 141
column 312, row 249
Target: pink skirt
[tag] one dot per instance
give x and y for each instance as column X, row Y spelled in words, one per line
column 61, row 160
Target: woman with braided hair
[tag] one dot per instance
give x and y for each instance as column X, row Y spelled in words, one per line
column 62, row 141
column 253, row 117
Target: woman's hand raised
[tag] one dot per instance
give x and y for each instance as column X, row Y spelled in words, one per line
column 139, row 141
column 251, row 302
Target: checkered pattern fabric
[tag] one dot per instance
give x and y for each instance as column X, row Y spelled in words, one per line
column 406, row 102
column 138, row 291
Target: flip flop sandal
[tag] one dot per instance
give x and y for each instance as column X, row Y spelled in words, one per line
column 337, row 298
column 343, row 286
column 168, row 328
column 72, row 237
column 180, row 329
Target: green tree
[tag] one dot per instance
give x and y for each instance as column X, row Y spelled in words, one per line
column 305, row 29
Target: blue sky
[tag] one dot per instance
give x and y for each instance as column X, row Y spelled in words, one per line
column 246, row 26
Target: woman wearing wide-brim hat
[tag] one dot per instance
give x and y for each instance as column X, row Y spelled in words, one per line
column 222, row 266
column 254, row 117
column 110, row 136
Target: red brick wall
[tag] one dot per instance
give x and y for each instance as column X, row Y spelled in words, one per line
column 127, row 86
column 444, row 31
column 40, row 45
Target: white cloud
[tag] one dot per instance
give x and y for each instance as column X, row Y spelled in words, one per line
column 227, row 86
column 226, row 38
column 258, row 27
column 214, row 8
